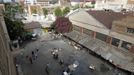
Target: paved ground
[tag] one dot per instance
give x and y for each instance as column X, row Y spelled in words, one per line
column 68, row 53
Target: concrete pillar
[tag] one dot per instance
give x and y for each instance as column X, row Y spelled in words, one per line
column 93, row 34
column 29, row 10
column 109, row 40
column 120, row 43
column 132, row 48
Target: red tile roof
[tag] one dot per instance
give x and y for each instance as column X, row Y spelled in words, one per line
column 106, row 17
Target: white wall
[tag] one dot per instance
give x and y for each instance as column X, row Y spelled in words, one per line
column 114, row 4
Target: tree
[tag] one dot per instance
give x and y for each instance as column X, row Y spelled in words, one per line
column 15, row 28
column 34, row 11
column 62, row 25
column 11, row 10
column 66, row 10
column 58, row 12
column 45, row 11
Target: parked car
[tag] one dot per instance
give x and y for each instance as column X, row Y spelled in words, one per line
column 31, row 36
column 34, row 36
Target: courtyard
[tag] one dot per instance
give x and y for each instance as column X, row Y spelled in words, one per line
column 68, row 53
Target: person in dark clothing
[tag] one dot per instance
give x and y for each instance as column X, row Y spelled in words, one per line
column 33, row 55
column 61, row 62
column 56, row 56
column 30, row 59
column 47, row 69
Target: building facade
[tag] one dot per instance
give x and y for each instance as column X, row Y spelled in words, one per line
column 37, row 2
column 7, row 66
column 65, row 3
column 116, row 5
column 109, row 34
column 83, row 3
column 125, row 27
column 104, row 25
column 36, row 6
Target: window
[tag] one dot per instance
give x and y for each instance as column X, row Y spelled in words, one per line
column 101, row 37
column 115, row 42
column 126, row 45
column 130, row 30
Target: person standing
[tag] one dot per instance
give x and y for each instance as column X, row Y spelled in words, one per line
column 47, row 69
column 30, row 59
column 33, row 55
column 36, row 53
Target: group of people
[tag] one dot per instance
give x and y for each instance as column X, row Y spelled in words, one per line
column 32, row 56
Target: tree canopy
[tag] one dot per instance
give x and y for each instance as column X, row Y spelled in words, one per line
column 62, row 25
column 66, row 10
column 45, row 11
column 58, row 12
column 11, row 10
column 15, row 28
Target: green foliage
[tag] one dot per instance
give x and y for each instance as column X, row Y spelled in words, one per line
column 34, row 11
column 15, row 28
column 58, row 12
column 11, row 10
column 89, row 6
column 66, row 10
column 45, row 11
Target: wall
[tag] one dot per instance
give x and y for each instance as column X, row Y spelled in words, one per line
column 110, row 4
column 7, row 66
